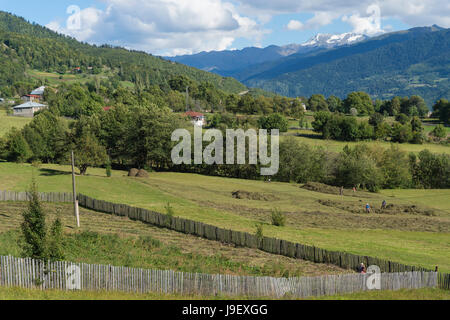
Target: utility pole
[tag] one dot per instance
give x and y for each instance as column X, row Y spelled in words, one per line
column 75, row 200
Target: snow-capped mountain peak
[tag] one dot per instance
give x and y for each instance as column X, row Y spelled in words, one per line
column 332, row 40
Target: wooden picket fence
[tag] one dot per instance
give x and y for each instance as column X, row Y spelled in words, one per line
column 243, row 239
column 34, row 274
column 45, row 197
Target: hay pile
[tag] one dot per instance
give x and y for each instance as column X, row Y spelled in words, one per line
column 253, row 196
column 138, row 173
column 142, row 174
column 133, row 172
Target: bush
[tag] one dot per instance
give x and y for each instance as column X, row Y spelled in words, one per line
column 169, row 214
column 259, row 231
column 439, row 132
column 278, row 218
column 108, row 170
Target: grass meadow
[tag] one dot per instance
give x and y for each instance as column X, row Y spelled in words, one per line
column 328, row 221
column 30, row 294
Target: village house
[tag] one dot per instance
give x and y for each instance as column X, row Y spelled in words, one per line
column 37, row 95
column 28, row 109
column 198, row 119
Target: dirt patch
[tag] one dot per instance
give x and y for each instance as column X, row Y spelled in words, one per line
column 254, row 196
column 324, row 188
column 391, row 209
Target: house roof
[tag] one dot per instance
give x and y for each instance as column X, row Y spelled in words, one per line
column 32, row 95
column 29, row 105
column 194, row 114
column 107, row 108
column 38, row 91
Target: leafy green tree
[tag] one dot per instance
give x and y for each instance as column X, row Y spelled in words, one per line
column 376, row 119
column 274, row 121
column 17, row 147
column 401, row 133
column 365, row 131
column 335, row 104
column 439, row 132
column 441, row 110
column 88, row 153
column 356, row 167
column 394, row 165
column 46, row 137
column 431, row 171
column 361, row 101
column 148, row 139
column 383, row 131
column 416, row 124
column 402, row 118
column 317, row 102
column 320, row 120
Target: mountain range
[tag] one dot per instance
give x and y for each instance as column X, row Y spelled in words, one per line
column 404, row 63
column 228, row 62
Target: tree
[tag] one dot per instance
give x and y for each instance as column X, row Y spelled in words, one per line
column 361, row 101
column 357, row 166
column 320, row 120
column 317, row 102
column 439, row 132
column 88, row 152
column 420, row 106
column 55, row 242
column 376, row 119
column 401, row 133
column 402, row 118
column 335, row 104
column 274, row 121
column 441, row 110
column 394, row 164
column 148, row 136
column 17, row 147
column 431, row 171
column 34, row 230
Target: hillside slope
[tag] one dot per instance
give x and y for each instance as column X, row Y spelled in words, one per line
column 416, row 61
column 24, row 45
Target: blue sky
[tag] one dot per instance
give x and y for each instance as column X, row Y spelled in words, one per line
column 169, row 27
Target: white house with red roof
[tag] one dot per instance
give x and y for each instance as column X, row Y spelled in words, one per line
column 197, row 118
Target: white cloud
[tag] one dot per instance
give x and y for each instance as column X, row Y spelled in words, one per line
column 294, row 25
column 370, row 25
column 173, row 26
column 164, row 26
column 411, row 12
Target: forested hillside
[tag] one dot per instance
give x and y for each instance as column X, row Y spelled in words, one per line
column 416, row 61
column 26, row 46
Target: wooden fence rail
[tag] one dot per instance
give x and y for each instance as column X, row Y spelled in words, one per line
column 271, row 245
column 45, row 197
column 29, row 273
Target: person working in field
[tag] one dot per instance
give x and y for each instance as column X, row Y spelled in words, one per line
column 383, row 205
column 362, row 268
column 368, row 208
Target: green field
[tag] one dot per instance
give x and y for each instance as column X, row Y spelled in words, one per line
column 315, row 139
column 118, row 241
column 30, row 294
column 419, row 239
column 8, row 122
